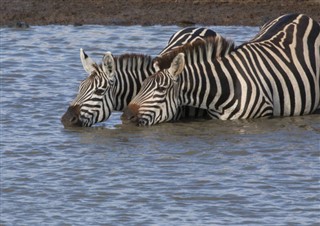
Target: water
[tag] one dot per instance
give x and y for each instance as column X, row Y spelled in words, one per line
column 188, row 173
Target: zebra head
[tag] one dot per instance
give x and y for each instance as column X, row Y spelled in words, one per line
column 93, row 103
column 158, row 99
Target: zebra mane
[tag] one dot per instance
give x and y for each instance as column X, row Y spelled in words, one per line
column 131, row 63
column 132, row 56
column 127, row 61
column 218, row 46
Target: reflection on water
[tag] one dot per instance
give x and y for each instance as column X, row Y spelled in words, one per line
column 263, row 171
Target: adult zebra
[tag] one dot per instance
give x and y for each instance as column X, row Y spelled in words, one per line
column 111, row 85
column 275, row 74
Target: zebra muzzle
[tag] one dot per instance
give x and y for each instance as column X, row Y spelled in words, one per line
column 131, row 113
column 71, row 117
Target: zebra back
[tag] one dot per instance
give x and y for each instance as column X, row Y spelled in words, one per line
column 187, row 35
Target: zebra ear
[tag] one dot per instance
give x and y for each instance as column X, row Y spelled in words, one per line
column 108, row 64
column 87, row 62
column 177, row 65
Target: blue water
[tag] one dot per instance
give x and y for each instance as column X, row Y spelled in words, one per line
column 245, row 172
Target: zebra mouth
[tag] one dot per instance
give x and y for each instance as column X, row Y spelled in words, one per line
column 142, row 122
column 130, row 116
column 71, row 118
column 139, row 121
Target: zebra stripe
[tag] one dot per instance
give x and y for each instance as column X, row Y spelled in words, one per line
column 111, row 85
column 277, row 73
column 187, row 35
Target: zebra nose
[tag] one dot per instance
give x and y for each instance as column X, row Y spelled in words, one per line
column 71, row 117
column 131, row 113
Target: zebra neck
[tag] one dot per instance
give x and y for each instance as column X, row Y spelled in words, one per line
column 207, row 85
column 131, row 71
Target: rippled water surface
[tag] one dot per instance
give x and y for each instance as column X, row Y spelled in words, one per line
column 260, row 172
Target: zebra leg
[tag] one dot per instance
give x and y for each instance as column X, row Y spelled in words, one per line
column 179, row 115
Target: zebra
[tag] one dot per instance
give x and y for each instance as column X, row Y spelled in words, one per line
column 277, row 73
column 111, row 85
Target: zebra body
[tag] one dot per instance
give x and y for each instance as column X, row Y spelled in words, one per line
column 112, row 84
column 277, row 73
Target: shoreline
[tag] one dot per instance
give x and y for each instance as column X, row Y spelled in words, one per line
column 160, row 12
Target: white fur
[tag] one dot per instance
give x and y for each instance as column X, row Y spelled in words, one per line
column 87, row 62
column 108, row 64
column 177, row 65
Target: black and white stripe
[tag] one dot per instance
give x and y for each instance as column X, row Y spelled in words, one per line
column 112, row 84
column 187, row 35
column 277, row 73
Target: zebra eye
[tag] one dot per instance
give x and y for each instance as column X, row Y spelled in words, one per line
column 99, row 92
column 161, row 89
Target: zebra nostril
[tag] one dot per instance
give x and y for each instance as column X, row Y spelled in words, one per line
column 133, row 118
column 74, row 119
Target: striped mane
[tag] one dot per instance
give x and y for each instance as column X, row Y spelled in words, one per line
column 133, row 62
column 218, row 46
column 131, row 56
column 126, row 62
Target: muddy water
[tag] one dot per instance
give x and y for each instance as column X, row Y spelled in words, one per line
column 188, row 173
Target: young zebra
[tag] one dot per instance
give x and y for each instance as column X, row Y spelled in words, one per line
column 275, row 74
column 111, row 85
